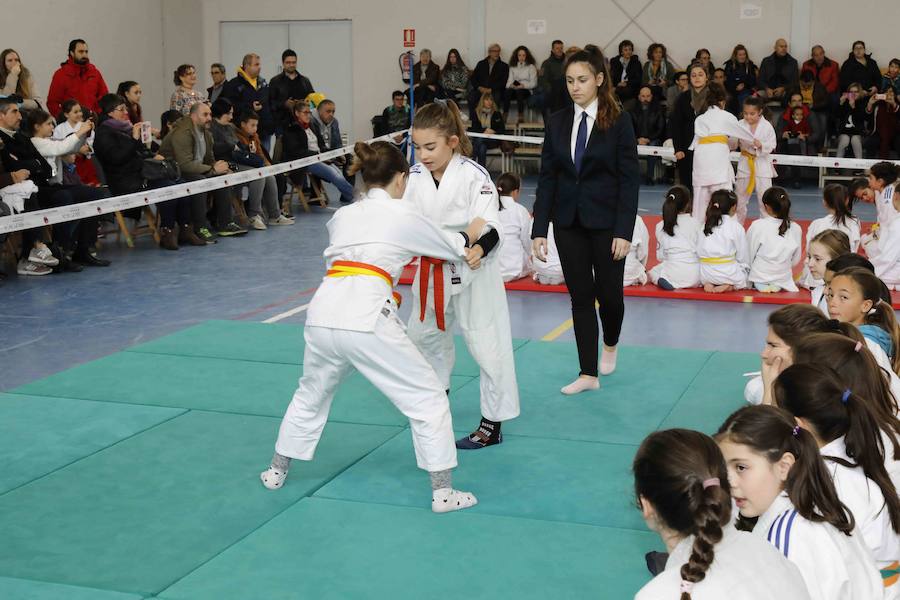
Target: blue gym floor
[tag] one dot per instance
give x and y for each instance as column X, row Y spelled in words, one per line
column 48, row 324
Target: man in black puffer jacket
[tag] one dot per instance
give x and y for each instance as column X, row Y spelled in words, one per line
column 248, row 91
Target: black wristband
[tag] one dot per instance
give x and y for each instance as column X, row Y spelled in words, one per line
column 488, row 241
column 465, row 237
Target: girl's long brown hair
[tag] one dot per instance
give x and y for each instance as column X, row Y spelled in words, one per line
column 445, row 117
column 23, row 87
column 608, row 108
column 772, row 432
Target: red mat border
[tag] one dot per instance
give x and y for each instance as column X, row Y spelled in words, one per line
column 651, row 291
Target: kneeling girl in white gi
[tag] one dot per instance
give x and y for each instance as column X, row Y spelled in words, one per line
column 849, row 437
column 775, row 244
column 352, row 324
column 722, row 248
column 677, row 236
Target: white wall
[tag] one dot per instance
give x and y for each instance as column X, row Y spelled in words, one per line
column 377, row 39
column 145, row 40
column 123, row 37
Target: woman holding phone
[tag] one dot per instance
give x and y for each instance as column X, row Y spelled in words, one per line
column 588, row 189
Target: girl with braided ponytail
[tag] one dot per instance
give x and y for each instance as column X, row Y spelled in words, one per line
column 778, row 477
column 848, row 434
column 681, row 483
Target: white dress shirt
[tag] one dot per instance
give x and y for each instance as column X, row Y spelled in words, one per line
column 591, row 111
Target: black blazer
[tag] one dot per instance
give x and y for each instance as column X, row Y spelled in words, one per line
column 604, row 195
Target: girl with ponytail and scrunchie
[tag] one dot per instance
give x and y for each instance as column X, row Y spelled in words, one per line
column 681, row 482
column 779, row 479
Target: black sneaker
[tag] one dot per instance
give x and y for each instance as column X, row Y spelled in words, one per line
column 232, row 229
column 207, row 236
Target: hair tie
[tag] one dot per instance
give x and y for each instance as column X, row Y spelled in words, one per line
column 686, row 586
column 711, row 482
column 834, row 324
column 795, row 431
column 672, row 196
column 845, row 396
column 857, row 346
column 716, row 204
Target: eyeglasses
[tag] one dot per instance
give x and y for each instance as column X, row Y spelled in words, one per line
column 120, row 109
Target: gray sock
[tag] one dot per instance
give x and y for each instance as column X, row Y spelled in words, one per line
column 441, row 479
column 281, row 463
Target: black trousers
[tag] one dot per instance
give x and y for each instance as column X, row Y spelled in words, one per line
column 592, row 275
column 221, row 206
column 74, row 235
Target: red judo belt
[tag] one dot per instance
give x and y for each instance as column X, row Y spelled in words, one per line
column 425, row 266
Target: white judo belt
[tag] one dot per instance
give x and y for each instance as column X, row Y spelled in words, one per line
column 50, row 216
column 830, row 162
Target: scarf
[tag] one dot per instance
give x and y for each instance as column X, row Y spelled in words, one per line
column 484, row 117
column 251, row 80
column 879, row 336
column 698, row 99
column 125, row 127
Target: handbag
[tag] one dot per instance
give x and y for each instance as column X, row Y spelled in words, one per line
column 153, row 169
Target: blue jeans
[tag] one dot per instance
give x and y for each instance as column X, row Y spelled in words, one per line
column 333, row 175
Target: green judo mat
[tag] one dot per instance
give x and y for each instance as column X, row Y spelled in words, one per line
column 136, row 476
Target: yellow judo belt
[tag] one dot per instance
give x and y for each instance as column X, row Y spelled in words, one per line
column 714, row 139
column 718, row 260
column 346, row 268
column 751, row 161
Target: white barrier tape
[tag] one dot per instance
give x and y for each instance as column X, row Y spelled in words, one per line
column 50, row 216
column 669, row 154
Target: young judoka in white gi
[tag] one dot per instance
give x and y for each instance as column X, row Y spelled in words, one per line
column 677, row 236
column 549, row 271
column 879, row 187
column 352, row 324
column 778, row 476
column 755, row 171
column 823, row 248
column 775, row 244
column 682, row 486
column 712, row 162
column 451, row 190
column 636, row 259
column 848, row 434
column 840, row 217
column 883, row 250
column 515, row 252
column 722, row 249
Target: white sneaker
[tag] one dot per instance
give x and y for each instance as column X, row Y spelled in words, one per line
column 272, row 478
column 447, row 500
column 26, row 267
column 43, row 256
column 257, row 223
column 281, row 220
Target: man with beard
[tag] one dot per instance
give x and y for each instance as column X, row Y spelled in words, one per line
column 76, row 78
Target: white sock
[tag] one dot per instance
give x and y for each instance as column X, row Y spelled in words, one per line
column 608, row 361
column 582, row 384
column 447, row 500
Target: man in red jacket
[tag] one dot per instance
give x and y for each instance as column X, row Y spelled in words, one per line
column 76, row 78
column 826, row 70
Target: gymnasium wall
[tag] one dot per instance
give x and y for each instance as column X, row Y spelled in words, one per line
column 146, row 39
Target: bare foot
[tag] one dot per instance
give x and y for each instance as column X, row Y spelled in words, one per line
column 723, row 288
column 709, row 288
